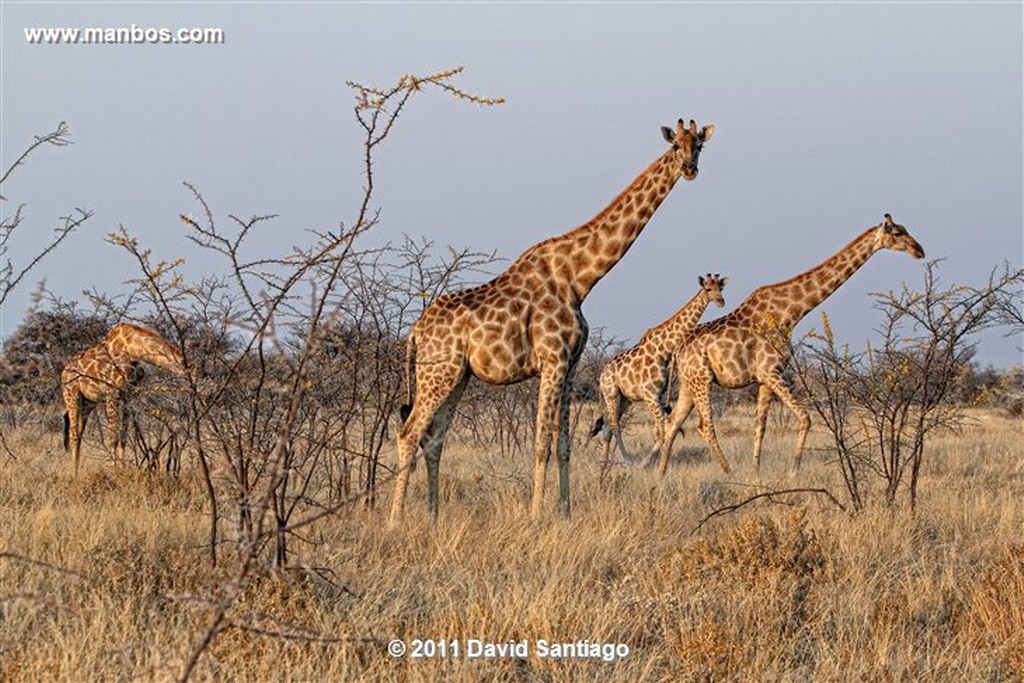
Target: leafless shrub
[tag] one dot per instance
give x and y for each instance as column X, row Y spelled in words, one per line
column 288, row 425
column 11, row 273
column 881, row 405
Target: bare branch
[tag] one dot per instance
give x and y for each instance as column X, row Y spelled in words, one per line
column 770, row 496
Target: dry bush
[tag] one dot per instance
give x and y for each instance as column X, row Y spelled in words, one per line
column 776, row 592
column 884, row 405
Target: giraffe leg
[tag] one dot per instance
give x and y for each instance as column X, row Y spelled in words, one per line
column 660, row 421
column 776, row 384
column 764, row 401
column 563, row 443
column 701, row 392
column 114, row 422
column 552, row 380
column 85, row 409
column 434, row 384
column 615, row 411
column 74, row 424
column 673, row 426
column 610, row 395
column 434, row 443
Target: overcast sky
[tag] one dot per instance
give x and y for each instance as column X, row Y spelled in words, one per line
column 827, row 117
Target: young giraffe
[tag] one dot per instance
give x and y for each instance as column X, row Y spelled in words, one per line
column 742, row 347
column 103, row 373
column 641, row 372
column 527, row 322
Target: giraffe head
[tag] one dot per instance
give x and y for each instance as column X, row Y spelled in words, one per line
column 889, row 235
column 712, row 286
column 686, row 145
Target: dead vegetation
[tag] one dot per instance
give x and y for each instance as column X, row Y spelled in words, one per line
column 103, row 577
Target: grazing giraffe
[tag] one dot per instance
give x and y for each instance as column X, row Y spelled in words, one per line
column 742, row 347
column 641, row 373
column 524, row 323
column 103, row 373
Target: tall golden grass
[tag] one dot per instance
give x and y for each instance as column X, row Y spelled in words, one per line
column 104, row 577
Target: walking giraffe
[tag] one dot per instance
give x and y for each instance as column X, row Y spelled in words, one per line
column 524, row 323
column 641, row 373
column 103, row 373
column 742, row 347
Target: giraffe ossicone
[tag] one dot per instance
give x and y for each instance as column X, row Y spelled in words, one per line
column 525, row 323
column 749, row 344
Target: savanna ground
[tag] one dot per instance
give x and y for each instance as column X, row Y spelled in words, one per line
column 105, row 577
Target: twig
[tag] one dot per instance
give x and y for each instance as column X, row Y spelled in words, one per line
column 40, row 563
column 767, row 494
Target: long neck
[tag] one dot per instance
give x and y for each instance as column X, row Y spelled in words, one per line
column 586, row 254
column 672, row 331
column 788, row 302
column 129, row 344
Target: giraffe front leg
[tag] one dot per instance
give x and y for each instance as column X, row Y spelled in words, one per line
column 435, row 444
column 563, row 451
column 114, row 423
column 778, row 385
column 548, row 413
column 764, row 402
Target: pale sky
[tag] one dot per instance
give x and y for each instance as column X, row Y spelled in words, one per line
column 827, row 117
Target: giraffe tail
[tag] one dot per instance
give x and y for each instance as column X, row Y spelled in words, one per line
column 598, row 426
column 67, row 431
column 410, row 359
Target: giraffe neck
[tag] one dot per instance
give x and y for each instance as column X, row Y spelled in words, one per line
column 673, row 330
column 584, row 255
column 128, row 343
column 789, row 301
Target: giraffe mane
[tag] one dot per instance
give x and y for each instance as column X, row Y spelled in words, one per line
column 568, row 236
column 765, row 288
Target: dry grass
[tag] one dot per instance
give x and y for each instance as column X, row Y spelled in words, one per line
column 104, row 577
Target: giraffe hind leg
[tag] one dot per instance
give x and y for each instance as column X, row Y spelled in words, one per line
column 78, row 416
column 433, row 390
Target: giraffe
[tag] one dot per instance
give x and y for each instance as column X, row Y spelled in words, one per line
column 527, row 322
column 641, row 373
column 103, row 373
column 742, row 348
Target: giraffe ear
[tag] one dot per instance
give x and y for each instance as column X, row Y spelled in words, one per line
column 723, row 281
column 700, row 280
column 666, row 132
column 706, row 132
column 887, row 226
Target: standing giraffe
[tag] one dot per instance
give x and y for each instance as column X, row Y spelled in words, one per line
column 527, row 322
column 742, row 347
column 641, row 372
column 103, row 373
